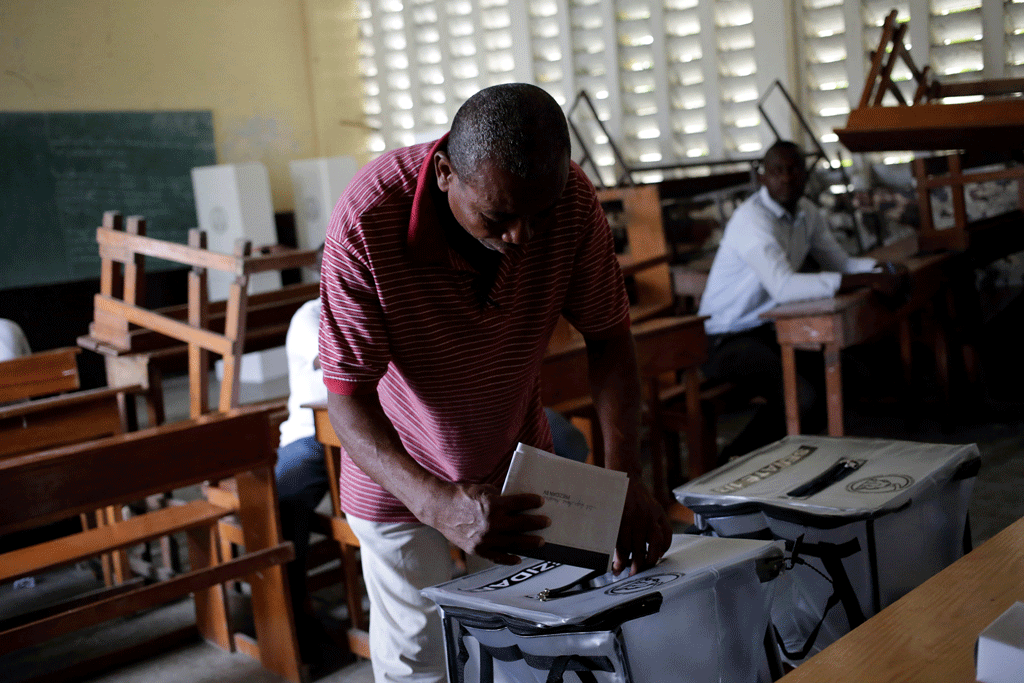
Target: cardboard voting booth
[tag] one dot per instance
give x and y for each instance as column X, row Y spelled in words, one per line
column 864, row 522
column 700, row 615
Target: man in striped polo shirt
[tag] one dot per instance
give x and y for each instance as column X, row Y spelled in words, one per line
column 445, row 270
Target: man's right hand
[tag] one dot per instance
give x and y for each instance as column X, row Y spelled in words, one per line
column 476, row 518
column 481, row 521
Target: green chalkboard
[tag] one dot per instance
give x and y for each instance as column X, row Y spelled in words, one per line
column 59, row 171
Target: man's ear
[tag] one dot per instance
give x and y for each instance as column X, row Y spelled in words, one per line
column 443, row 170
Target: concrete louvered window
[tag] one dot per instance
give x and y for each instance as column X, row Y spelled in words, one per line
column 673, row 81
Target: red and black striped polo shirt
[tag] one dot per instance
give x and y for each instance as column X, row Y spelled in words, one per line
column 456, row 369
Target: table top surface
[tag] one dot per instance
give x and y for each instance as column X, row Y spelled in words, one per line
column 842, row 303
column 929, row 634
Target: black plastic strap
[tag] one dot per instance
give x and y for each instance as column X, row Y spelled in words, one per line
column 555, row 666
column 843, row 588
column 577, row 586
column 813, row 636
column 463, row 656
column 486, row 666
column 831, row 556
column 560, row 664
column 842, row 469
column 578, row 663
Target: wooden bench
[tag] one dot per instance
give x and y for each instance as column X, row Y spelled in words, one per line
column 31, row 424
column 39, row 374
column 42, row 487
column 131, row 336
column 339, row 543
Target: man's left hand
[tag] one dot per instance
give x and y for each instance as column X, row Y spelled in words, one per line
column 644, row 534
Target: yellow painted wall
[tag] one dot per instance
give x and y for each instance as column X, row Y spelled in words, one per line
column 280, row 76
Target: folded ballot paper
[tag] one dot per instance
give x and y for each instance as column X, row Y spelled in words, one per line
column 584, row 503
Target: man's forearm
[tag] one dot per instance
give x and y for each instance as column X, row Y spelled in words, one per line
column 615, row 386
column 370, row 439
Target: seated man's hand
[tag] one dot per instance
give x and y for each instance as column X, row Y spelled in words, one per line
column 481, row 521
column 644, row 534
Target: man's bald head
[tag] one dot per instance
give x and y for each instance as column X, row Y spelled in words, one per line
column 517, row 127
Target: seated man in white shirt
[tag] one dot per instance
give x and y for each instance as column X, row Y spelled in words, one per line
column 756, row 268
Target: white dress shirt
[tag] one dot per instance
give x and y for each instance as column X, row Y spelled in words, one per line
column 755, row 267
column 13, row 343
column 305, row 382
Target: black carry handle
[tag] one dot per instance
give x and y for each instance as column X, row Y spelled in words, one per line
column 842, row 469
column 572, row 663
column 831, row 556
column 580, row 585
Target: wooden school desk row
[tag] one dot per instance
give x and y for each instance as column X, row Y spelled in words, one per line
column 46, row 486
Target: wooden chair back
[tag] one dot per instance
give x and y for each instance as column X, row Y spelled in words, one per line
column 646, row 261
column 39, row 374
column 954, row 171
column 666, row 349
column 64, row 419
column 645, row 264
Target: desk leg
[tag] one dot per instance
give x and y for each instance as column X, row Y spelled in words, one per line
column 941, row 344
column 789, row 389
column 834, row 389
column 906, row 352
column 701, row 445
column 271, row 601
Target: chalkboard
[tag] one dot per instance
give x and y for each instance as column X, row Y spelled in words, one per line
column 59, row 171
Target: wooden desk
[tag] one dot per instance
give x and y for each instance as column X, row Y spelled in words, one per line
column 928, row 635
column 831, row 325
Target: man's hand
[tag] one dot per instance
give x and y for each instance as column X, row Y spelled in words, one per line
column 482, row 522
column 476, row 518
column 644, row 534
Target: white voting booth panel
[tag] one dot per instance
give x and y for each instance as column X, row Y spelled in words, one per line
column 233, row 202
column 864, row 522
column 318, row 183
column 700, row 615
